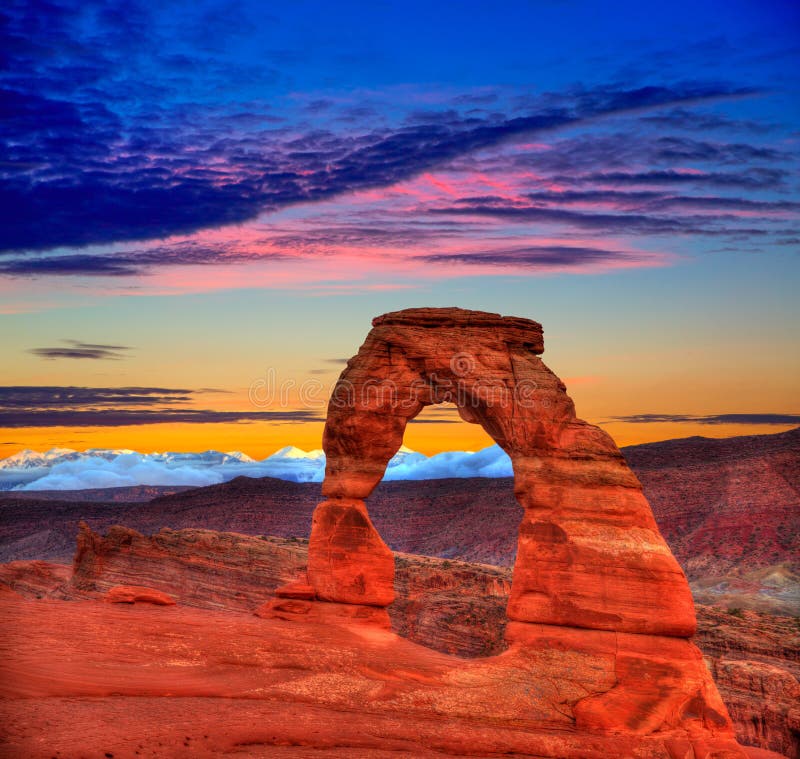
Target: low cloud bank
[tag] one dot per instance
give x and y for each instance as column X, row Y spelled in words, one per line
column 63, row 469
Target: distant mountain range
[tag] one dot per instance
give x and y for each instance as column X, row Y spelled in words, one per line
column 66, row 469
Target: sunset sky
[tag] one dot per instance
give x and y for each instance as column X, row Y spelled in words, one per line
column 203, row 198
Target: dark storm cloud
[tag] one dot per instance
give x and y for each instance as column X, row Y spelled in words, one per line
column 714, row 419
column 81, row 350
column 533, row 257
column 58, row 406
column 102, row 144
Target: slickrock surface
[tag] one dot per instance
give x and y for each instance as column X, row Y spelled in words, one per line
column 182, row 682
column 589, row 553
column 451, row 606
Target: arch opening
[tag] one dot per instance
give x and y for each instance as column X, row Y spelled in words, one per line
column 438, row 509
column 435, row 519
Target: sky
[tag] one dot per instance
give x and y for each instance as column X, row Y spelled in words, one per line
column 203, row 205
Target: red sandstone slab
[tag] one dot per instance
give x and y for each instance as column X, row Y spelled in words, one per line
column 186, row 682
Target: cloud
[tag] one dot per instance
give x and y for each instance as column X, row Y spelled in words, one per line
column 55, row 406
column 389, row 234
column 105, row 469
column 124, row 264
column 78, row 264
column 611, row 223
column 33, row 397
column 124, row 470
column 750, row 179
column 700, row 121
column 653, row 200
column 112, row 138
column 547, row 257
column 488, row 462
column 99, row 172
column 77, row 349
column 641, row 212
column 628, row 222
column 598, row 151
column 685, row 149
column 126, row 417
column 778, row 419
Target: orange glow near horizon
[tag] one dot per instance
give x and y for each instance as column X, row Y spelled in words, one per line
column 260, row 439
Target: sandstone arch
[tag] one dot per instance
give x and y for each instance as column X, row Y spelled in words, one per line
column 589, row 552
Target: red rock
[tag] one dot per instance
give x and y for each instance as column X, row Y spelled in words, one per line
column 599, row 608
column 299, row 589
column 349, row 562
column 129, row 594
column 589, row 551
column 7, row 590
column 282, row 608
column 446, row 605
column 730, row 511
column 297, row 610
column 760, row 753
column 187, row 564
column 34, row 579
column 599, row 664
column 84, row 678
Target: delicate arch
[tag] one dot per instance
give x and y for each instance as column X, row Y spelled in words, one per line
column 589, row 551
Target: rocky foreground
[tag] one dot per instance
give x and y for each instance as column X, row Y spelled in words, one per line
column 256, row 686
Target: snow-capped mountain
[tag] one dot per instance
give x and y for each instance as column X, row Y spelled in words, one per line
column 209, row 458
column 65, row 469
column 290, row 452
column 28, row 459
